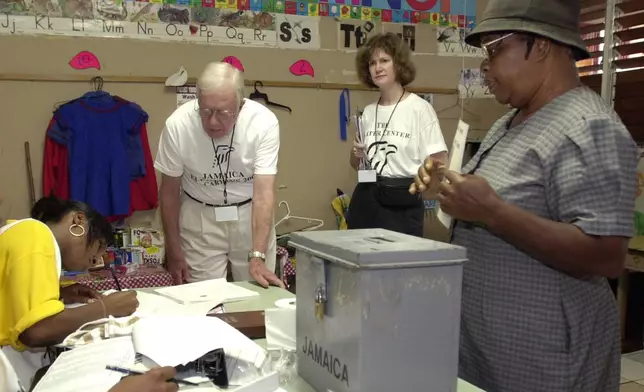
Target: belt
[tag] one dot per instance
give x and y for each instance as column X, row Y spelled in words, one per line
column 241, row 203
column 395, row 182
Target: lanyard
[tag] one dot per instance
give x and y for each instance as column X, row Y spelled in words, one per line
column 375, row 125
column 345, row 113
column 224, row 178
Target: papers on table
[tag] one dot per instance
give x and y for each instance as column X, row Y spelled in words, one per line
column 178, row 340
column 157, row 305
column 455, row 163
column 215, row 290
column 151, row 304
column 83, row 368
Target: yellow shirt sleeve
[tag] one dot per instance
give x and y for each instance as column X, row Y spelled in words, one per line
column 30, row 278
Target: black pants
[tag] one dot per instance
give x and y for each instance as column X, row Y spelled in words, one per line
column 386, row 204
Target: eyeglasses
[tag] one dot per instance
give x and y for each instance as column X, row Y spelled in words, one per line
column 487, row 52
column 221, row 115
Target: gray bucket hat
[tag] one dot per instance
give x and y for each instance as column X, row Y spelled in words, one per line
column 554, row 19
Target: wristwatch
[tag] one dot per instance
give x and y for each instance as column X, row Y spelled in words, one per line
column 255, row 254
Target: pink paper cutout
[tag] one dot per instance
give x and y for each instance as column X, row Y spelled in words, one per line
column 85, row 60
column 234, row 61
column 301, row 68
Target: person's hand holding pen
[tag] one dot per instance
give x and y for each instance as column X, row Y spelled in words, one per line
column 156, row 380
column 121, row 304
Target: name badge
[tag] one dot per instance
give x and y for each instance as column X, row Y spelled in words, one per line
column 226, row 214
column 367, row 176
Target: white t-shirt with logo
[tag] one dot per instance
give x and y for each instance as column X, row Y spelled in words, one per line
column 186, row 151
column 411, row 136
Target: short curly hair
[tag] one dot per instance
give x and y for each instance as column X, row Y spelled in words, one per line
column 399, row 51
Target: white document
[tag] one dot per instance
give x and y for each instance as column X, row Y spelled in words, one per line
column 153, row 304
column 455, row 162
column 214, row 290
column 83, row 368
column 280, row 328
column 178, row 340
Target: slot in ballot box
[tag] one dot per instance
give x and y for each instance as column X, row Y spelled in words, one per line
column 377, row 311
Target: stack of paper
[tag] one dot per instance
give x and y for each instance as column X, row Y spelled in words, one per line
column 215, row 291
column 83, row 368
column 178, row 340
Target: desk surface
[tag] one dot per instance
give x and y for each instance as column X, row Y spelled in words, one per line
column 267, row 299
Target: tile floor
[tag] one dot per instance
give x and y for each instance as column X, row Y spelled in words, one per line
column 633, row 372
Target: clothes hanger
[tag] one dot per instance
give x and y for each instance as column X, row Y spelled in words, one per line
column 258, row 95
column 96, row 92
column 318, row 222
column 458, row 103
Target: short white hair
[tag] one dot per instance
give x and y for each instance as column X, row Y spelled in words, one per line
column 221, row 75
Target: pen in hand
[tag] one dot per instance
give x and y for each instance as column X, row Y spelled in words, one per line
column 129, row 372
column 118, row 285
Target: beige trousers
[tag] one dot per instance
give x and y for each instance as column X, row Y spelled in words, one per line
column 210, row 246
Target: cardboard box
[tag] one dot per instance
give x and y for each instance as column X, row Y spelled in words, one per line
column 152, row 242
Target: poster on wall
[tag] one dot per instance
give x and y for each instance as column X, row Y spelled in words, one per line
column 278, row 23
column 451, row 42
column 353, row 34
column 186, row 93
column 297, row 32
column 166, row 22
column 472, row 84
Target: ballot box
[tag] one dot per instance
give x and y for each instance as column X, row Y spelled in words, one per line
column 377, row 311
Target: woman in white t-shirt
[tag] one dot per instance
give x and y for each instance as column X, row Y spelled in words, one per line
column 395, row 135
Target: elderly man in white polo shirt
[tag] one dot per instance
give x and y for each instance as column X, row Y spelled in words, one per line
column 218, row 160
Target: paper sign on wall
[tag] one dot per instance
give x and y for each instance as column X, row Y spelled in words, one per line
column 472, row 84
column 297, row 32
column 418, row 37
column 451, row 42
column 166, row 21
column 185, row 94
column 353, row 34
column 234, row 61
column 302, row 68
column 85, row 60
column 455, row 162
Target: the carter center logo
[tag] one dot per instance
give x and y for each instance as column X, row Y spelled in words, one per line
column 222, row 155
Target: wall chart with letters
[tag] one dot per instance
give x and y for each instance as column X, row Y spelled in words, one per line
column 278, row 23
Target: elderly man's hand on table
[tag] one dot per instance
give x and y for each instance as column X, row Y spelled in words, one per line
column 262, row 275
column 156, row 380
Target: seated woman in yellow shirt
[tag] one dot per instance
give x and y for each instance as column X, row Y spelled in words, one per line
column 60, row 234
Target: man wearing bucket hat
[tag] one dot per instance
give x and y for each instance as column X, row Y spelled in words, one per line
column 545, row 210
